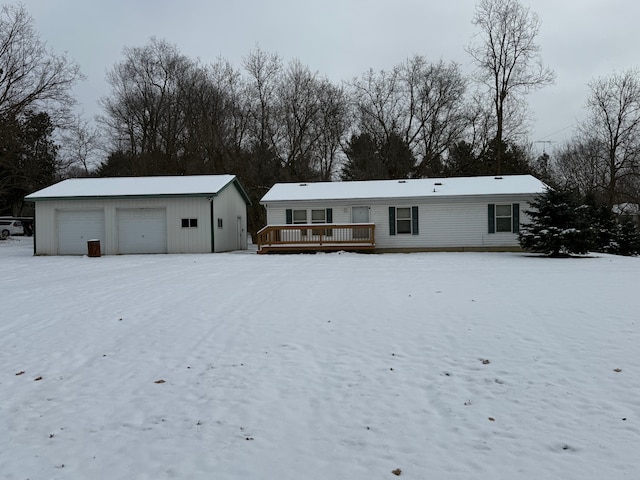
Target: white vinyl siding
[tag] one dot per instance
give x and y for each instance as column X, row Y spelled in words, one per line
column 447, row 223
column 228, row 204
column 179, row 240
column 232, row 209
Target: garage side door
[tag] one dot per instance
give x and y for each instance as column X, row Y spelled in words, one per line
column 142, row 230
column 76, row 228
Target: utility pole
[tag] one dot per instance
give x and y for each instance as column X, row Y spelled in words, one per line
column 544, row 144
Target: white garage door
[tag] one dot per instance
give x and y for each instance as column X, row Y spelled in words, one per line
column 142, row 230
column 76, row 228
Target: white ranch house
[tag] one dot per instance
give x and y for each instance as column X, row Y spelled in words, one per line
column 164, row 214
column 458, row 213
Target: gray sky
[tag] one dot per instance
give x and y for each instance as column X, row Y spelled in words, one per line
column 341, row 39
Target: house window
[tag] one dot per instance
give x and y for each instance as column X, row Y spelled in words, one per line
column 318, row 216
column 302, row 216
column 299, row 216
column 189, row 223
column 219, row 223
column 403, row 220
column 503, row 218
column 322, row 216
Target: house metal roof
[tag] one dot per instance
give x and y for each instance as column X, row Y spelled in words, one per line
column 160, row 186
column 410, row 188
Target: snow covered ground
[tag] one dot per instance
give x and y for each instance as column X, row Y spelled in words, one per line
column 329, row 366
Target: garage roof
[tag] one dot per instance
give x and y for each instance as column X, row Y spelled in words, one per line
column 160, row 186
column 410, row 188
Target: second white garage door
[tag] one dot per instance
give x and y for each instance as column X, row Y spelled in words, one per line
column 142, row 230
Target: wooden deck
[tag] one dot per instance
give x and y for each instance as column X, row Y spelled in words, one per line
column 316, row 237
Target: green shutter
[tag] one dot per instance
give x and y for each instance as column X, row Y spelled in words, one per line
column 414, row 220
column 516, row 217
column 329, row 215
column 392, row 220
column 492, row 218
column 289, row 216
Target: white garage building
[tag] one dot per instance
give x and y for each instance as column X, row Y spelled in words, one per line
column 131, row 215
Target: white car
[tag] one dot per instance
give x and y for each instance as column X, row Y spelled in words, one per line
column 10, row 227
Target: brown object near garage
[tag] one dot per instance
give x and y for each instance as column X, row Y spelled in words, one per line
column 93, row 247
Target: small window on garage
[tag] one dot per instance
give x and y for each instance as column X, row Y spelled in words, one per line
column 189, row 223
column 219, row 223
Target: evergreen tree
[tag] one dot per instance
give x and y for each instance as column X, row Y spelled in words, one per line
column 27, row 158
column 368, row 160
column 363, row 159
column 560, row 226
column 602, row 222
column 397, row 157
column 626, row 240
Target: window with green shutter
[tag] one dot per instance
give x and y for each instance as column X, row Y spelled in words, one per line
column 322, row 216
column 403, row 220
column 504, row 218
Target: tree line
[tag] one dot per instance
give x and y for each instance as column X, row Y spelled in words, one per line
column 271, row 121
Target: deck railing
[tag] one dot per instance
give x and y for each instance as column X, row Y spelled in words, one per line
column 305, row 237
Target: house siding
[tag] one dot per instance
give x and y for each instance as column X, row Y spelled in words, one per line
column 229, row 205
column 442, row 223
column 179, row 240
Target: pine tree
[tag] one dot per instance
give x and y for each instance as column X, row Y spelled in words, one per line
column 560, row 226
column 626, row 240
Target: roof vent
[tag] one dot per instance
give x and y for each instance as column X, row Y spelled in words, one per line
column 498, row 178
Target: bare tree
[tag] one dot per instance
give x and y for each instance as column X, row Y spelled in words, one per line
column 227, row 79
column 334, row 123
column 31, row 76
column 264, row 71
column 421, row 102
column 507, row 57
column 605, row 155
column 434, row 102
column 143, row 108
column 167, row 109
column 577, row 166
column 614, row 122
column 378, row 97
column 313, row 113
column 295, row 116
column 79, row 147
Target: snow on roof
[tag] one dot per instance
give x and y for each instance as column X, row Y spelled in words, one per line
column 626, row 209
column 135, row 186
column 411, row 188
